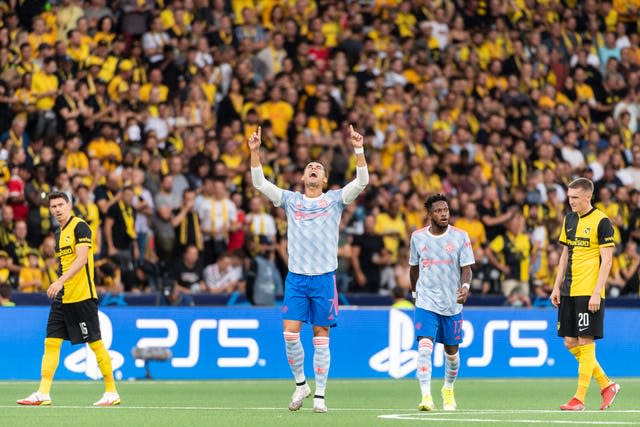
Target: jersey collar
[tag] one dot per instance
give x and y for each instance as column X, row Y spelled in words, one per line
column 588, row 213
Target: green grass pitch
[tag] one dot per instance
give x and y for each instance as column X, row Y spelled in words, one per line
column 353, row 403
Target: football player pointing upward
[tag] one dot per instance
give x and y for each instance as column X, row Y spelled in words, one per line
column 440, row 260
column 310, row 295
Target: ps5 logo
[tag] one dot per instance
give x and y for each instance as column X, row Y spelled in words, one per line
column 84, row 361
column 223, row 327
column 400, row 359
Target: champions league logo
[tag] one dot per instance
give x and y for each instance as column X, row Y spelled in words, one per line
column 84, row 361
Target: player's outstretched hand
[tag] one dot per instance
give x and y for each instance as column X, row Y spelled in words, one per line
column 357, row 140
column 463, row 294
column 255, row 139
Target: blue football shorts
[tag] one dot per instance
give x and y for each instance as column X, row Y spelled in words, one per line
column 311, row 299
column 444, row 329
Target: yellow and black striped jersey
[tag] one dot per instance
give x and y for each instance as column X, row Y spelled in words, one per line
column 81, row 286
column 584, row 236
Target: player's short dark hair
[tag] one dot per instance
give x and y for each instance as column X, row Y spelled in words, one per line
column 434, row 199
column 57, row 195
column 582, row 184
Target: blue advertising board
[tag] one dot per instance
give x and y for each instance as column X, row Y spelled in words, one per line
column 243, row 343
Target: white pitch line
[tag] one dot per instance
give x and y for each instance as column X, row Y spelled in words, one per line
column 412, row 417
column 235, row 408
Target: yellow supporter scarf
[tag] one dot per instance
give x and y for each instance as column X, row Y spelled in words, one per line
column 14, row 139
column 196, row 231
column 71, row 102
column 129, row 220
column 223, row 208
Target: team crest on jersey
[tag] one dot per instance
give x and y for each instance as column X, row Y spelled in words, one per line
column 323, row 203
column 67, row 239
column 449, row 247
column 587, row 230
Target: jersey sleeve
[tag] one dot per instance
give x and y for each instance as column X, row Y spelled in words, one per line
column 563, row 233
column 82, row 233
column 414, row 256
column 466, row 253
column 605, row 233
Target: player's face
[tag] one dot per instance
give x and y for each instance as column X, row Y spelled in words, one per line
column 579, row 199
column 60, row 209
column 314, row 173
column 440, row 213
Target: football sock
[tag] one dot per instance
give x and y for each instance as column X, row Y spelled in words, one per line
column 321, row 363
column 598, row 372
column 104, row 363
column 425, row 348
column 585, row 369
column 451, row 365
column 295, row 356
column 49, row 363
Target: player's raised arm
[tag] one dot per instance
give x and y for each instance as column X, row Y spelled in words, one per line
column 272, row 192
column 355, row 187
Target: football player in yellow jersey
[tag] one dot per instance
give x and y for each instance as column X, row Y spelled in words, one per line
column 74, row 311
column 587, row 237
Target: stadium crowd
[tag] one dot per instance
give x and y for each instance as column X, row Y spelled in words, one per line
column 140, row 111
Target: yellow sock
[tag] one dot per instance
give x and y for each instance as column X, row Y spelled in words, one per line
column 585, row 369
column 598, row 372
column 49, row 363
column 576, row 352
column 104, row 363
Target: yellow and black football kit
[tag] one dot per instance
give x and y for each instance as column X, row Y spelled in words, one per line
column 74, row 312
column 583, row 236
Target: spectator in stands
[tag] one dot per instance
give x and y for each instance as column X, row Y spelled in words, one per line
column 263, row 280
column 5, row 296
column 510, row 253
column 30, row 277
column 222, row 277
column 121, row 238
column 369, row 257
column 188, row 272
column 186, row 225
column 400, row 300
column 6, row 276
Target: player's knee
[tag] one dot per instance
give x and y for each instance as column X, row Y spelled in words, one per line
column 451, row 350
column 320, row 331
column 570, row 343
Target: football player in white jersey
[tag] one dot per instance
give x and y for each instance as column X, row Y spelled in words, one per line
column 440, row 262
column 313, row 220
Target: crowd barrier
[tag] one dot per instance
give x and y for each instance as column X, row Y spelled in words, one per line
column 247, row 343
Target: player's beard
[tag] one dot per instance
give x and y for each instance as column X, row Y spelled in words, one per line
column 438, row 227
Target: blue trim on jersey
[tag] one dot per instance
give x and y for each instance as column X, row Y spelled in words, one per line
column 444, row 329
column 311, row 299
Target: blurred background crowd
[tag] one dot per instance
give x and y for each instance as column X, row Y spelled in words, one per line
column 140, row 110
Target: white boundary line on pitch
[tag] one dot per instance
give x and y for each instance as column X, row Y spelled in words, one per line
column 414, row 417
column 232, row 408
